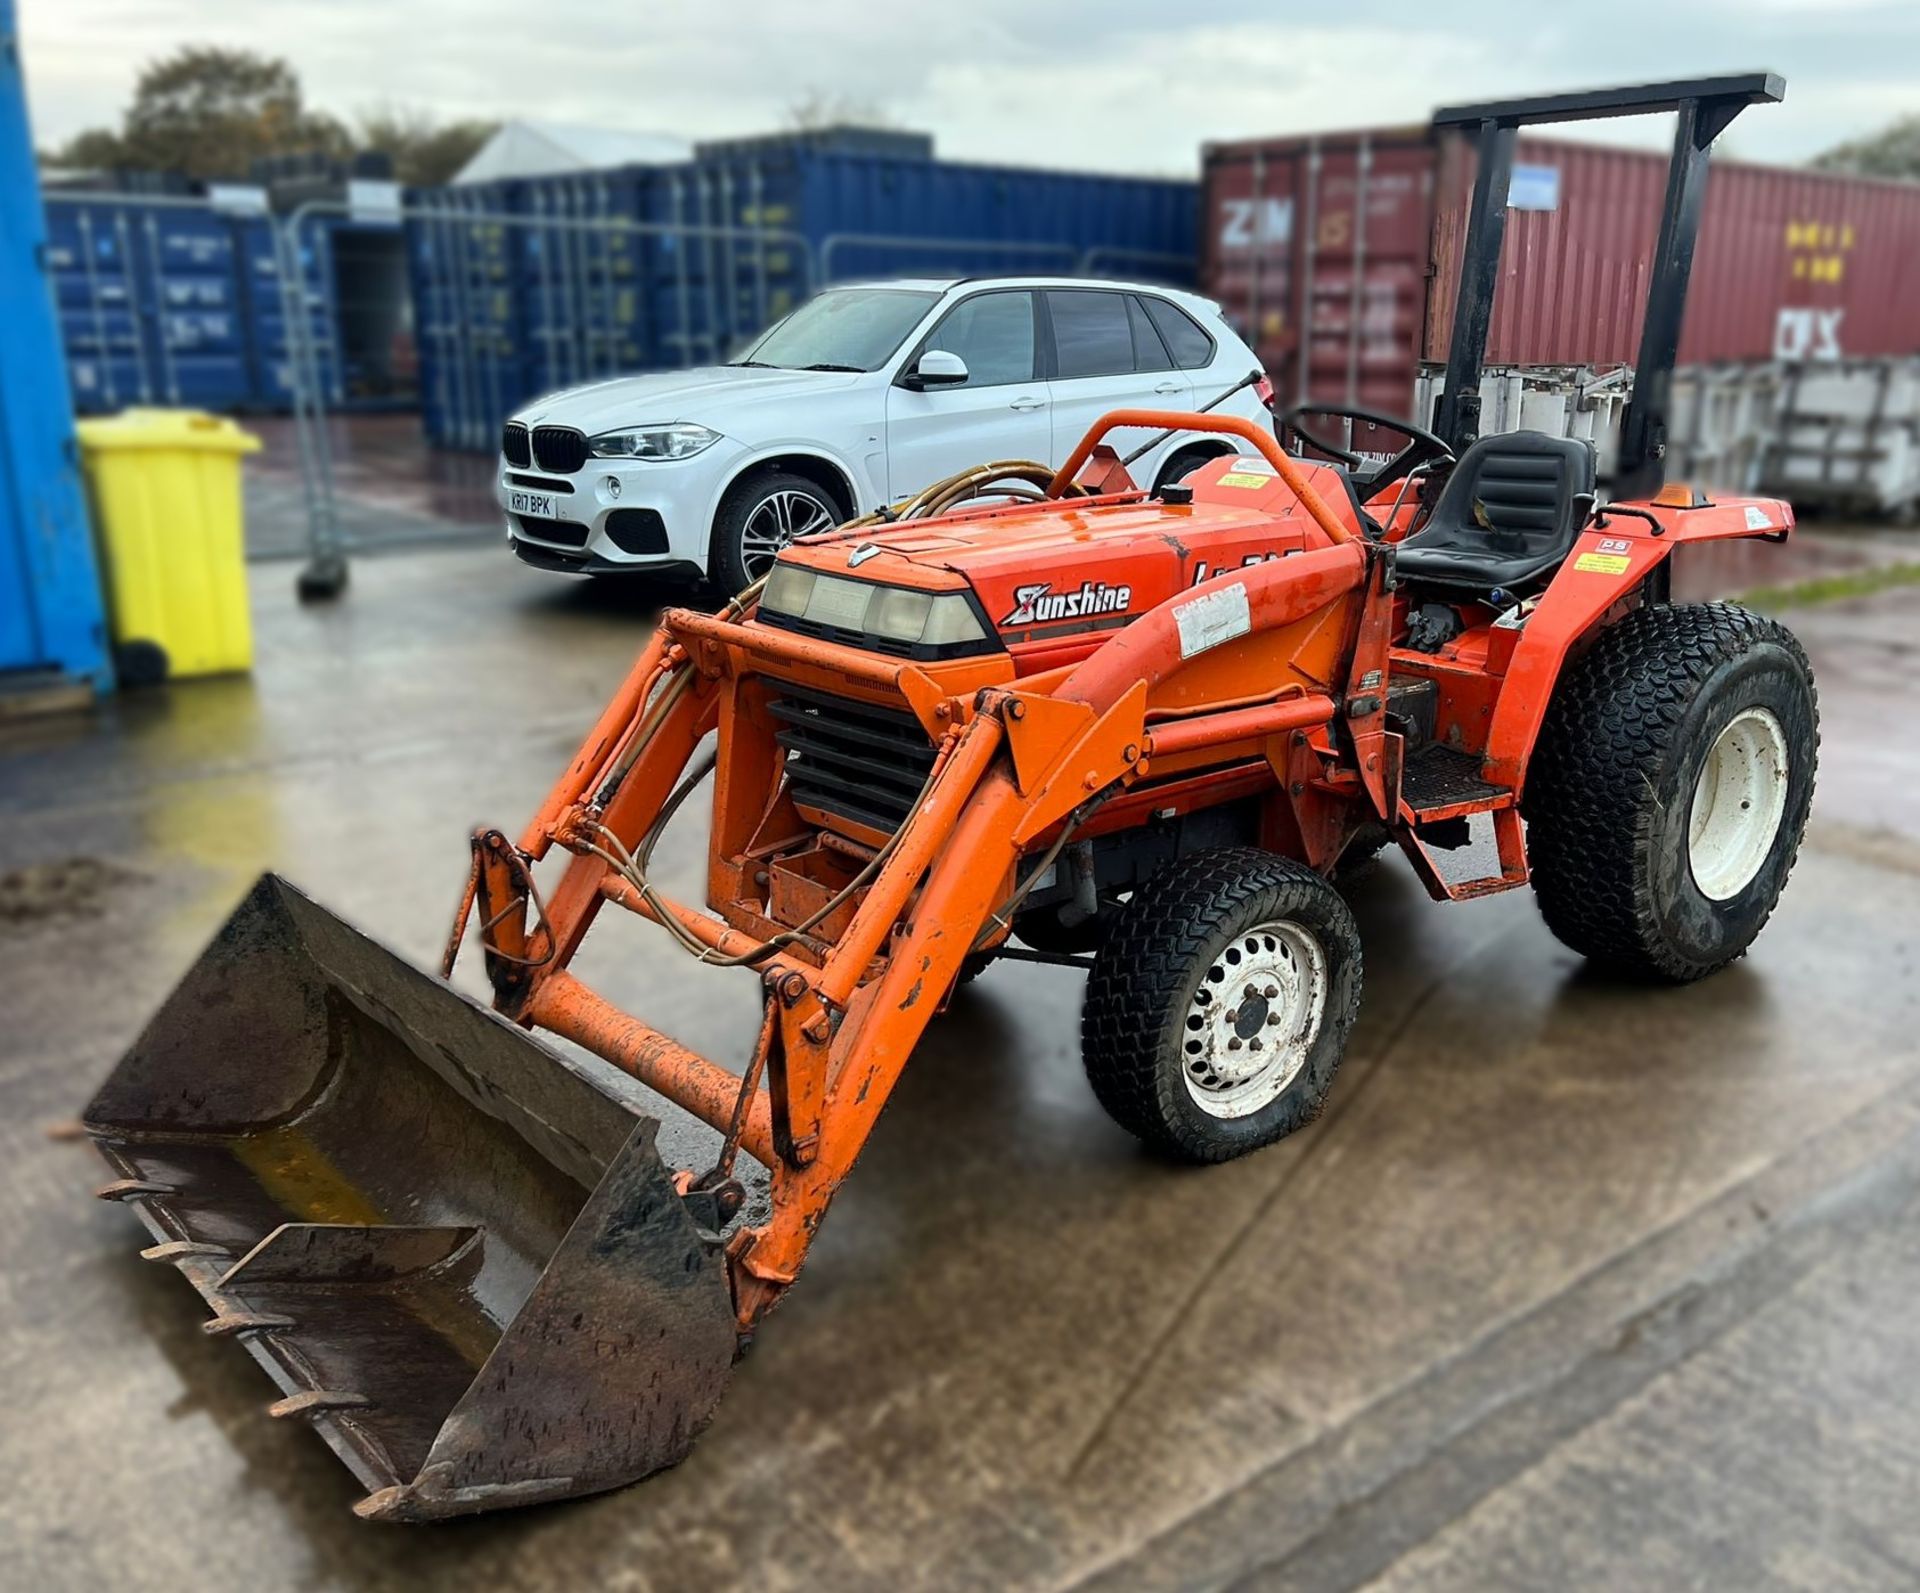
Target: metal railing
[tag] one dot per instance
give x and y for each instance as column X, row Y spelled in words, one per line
column 472, row 365
column 505, row 304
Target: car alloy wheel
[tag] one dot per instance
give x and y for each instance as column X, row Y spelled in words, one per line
column 777, row 520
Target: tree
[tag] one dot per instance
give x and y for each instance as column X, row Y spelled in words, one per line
column 425, row 153
column 97, row 149
column 210, row 113
column 1894, row 151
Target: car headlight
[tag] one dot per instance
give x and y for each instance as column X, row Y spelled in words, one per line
column 895, row 613
column 681, row 440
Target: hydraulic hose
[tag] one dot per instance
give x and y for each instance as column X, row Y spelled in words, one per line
column 1023, row 479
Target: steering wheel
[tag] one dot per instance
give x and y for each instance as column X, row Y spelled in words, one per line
column 1422, row 446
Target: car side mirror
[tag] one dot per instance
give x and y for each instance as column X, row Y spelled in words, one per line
column 935, row 368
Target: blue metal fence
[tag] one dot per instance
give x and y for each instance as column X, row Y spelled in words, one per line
column 526, row 286
column 167, row 299
column 505, row 290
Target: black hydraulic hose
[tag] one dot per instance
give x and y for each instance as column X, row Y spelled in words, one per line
column 1215, row 402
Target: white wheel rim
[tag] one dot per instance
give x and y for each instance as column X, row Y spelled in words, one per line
column 1738, row 803
column 1253, row 1019
column 776, row 521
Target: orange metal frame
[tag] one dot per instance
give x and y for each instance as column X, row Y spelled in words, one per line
column 1286, row 705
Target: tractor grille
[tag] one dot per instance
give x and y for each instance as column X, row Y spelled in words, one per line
column 559, row 448
column 513, row 443
column 861, row 762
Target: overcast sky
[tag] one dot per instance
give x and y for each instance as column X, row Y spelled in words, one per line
column 1120, row 85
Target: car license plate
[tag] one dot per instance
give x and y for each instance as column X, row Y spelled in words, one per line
column 538, row 504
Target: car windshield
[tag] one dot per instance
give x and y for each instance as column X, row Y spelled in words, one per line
column 847, row 329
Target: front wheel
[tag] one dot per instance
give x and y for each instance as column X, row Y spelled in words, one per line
column 1669, row 790
column 1220, row 1003
column 758, row 518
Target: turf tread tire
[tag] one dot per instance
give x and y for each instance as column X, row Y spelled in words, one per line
column 1594, row 797
column 1158, row 947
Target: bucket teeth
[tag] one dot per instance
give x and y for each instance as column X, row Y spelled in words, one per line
column 229, row 1323
column 431, row 1499
column 317, row 1402
column 134, row 1189
column 185, row 1250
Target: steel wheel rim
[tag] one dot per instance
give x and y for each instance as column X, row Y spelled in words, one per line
column 1253, row 1019
column 777, row 520
column 1738, row 803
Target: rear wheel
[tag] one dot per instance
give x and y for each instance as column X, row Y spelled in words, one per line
column 758, row 518
column 1220, row 1003
column 1668, row 793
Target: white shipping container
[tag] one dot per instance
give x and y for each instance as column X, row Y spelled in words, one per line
column 1720, row 417
column 1848, row 437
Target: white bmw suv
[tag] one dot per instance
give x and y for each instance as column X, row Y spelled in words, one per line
column 859, row 398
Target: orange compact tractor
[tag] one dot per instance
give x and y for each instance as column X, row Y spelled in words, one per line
column 1063, row 720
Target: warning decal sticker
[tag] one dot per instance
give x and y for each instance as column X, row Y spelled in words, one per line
column 1208, row 621
column 1603, row 563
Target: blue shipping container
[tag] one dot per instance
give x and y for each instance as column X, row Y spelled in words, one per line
column 526, row 286
column 468, row 334
column 176, row 302
column 150, row 301
column 52, row 626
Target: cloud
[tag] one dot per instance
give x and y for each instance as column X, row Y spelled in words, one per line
column 1129, row 85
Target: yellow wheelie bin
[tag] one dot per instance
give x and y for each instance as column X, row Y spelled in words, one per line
column 165, row 485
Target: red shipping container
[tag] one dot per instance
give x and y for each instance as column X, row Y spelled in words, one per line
column 1791, row 264
column 1332, row 234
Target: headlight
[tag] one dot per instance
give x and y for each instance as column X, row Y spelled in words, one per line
column 681, row 440
column 894, row 613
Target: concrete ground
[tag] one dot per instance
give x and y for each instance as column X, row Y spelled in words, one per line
column 1575, row 1284
column 390, row 489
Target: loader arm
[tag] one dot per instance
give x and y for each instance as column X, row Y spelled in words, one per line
column 1014, row 771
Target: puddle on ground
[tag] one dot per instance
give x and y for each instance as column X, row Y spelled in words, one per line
column 72, row 887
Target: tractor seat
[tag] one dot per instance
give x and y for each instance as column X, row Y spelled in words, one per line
column 1506, row 515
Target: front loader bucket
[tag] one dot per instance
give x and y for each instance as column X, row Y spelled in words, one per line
column 459, row 1258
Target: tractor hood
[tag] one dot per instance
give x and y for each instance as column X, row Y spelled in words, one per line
column 1052, row 574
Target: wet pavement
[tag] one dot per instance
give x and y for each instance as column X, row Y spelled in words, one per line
column 391, row 491
column 1575, row 1284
